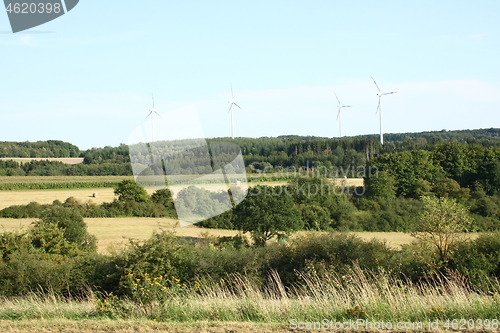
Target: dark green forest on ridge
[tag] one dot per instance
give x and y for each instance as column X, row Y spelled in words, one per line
column 283, row 151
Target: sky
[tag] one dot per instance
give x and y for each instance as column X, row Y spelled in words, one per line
column 88, row 76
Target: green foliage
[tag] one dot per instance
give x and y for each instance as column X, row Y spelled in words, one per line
column 163, row 197
column 267, row 212
column 409, row 169
column 221, row 221
column 40, row 149
column 161, row 254
column 196, row 201
column 68, row 220
column 442, row 224
column 33, row 209
column 28, row 272
column 49, row 238
column 128, row 190
column 397, row 214
column 450, row 188
column 315, row 217
column 381, row 186
column 479, row 260
column 320, row 253
column 12, row 242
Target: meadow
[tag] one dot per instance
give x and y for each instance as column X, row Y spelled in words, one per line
column 355, row 301
column 235, row 303
column 113, row 233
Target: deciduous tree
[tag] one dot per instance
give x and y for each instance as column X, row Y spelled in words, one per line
column 442, row 224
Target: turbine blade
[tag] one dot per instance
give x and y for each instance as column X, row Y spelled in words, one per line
column 338, row 114
column 378, row 106
column 158, row 114
column 237, row 106
column 230, row 108
column 149, row 114
column 337, row 98
column 376, row 85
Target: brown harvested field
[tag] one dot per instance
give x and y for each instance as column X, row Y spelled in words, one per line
column 65, row 160
column 23, row 197
column 112, row 233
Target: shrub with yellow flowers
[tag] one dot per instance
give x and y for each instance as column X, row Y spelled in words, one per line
column 108, row 304
column 145, row 288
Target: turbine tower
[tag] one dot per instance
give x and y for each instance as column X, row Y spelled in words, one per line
column 379, row 108
column 339, row 116
column 231, row 103
column 152, row 111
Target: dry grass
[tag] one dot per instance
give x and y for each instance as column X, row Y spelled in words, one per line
column 65, row 160
column 237, row 305
column 393, row 239
column 113, row 233
column 136, row 326
column 23, row 197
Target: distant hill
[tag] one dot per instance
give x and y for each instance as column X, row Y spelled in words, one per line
column 61, row 149
column 39, row 149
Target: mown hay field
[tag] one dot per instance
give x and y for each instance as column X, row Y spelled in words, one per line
column 113, row 233
column 65, row 160
column 50, row 188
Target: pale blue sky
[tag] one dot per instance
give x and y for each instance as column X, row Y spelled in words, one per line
column 89, row 80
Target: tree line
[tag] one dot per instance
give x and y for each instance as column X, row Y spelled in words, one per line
column 258, row 154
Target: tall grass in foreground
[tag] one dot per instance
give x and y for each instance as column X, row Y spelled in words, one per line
column 354, row 295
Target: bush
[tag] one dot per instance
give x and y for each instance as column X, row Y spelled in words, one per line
column 71, row 223
column 161, row 254
column 328, row 251
column 479, row 260
column 128, row 190
column 26, row 272
column 315, row 217
column 33, row 209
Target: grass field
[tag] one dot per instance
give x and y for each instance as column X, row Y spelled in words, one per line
column 65, row 160
column 136, row 326
column 355, row 302
column 112, row 233
column 23, row 197
column 104, row 190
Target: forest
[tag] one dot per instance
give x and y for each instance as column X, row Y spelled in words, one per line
column 259, row 153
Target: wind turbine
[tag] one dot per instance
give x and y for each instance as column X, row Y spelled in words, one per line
column 152, row 112
column 379, row 108
column 339, row 116
column 231, row 103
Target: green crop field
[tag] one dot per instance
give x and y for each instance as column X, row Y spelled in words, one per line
column 58, row 182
